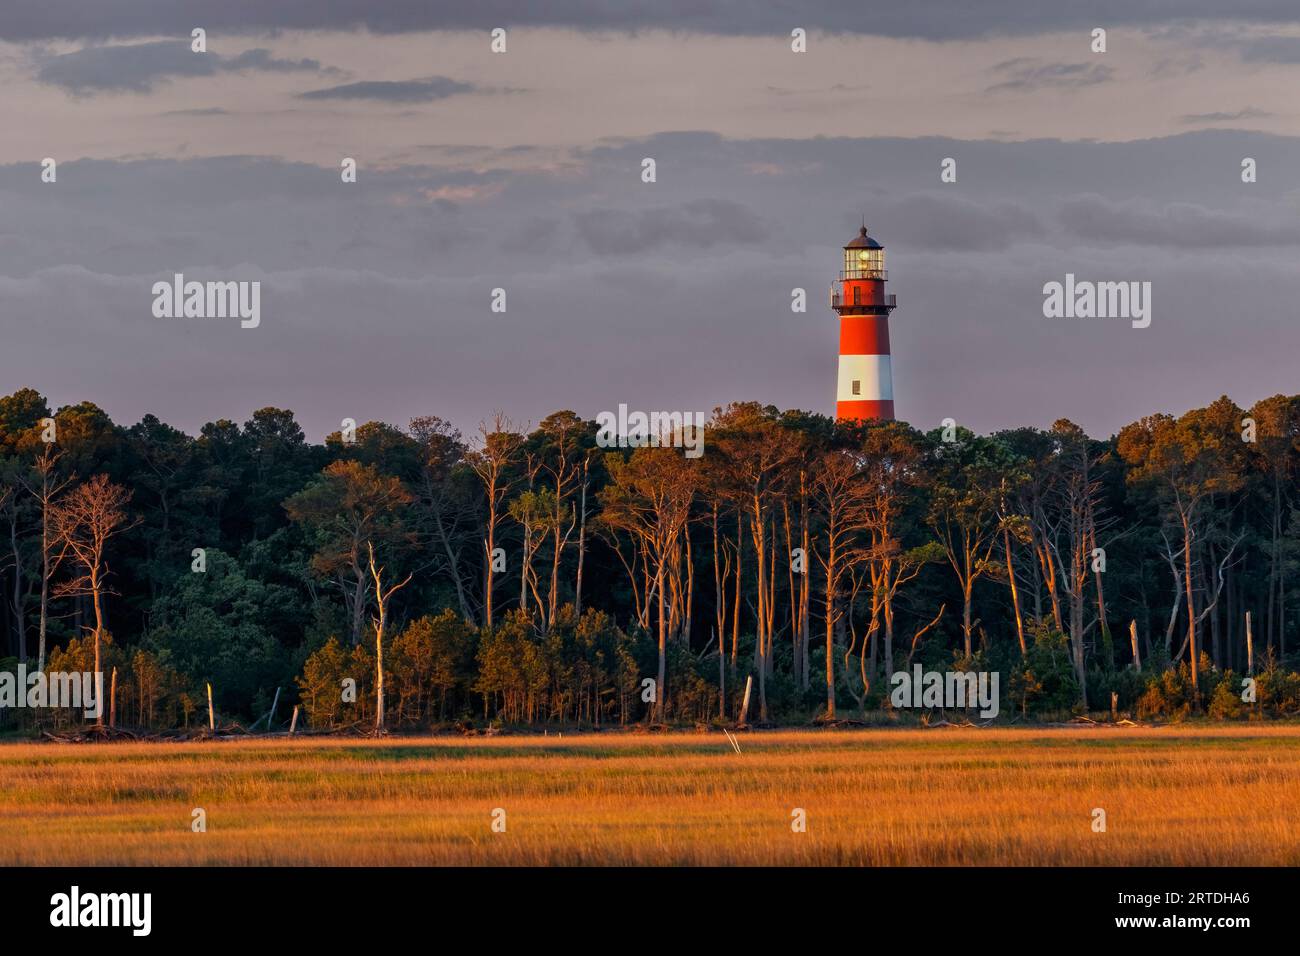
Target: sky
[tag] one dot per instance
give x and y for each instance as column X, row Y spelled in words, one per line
column 522, row 171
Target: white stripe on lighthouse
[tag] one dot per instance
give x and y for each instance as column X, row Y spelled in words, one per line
column 871, row 372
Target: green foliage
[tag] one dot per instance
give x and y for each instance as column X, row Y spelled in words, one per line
column 286, row 525
column 1170, row 695
column 424, row 666
column 1226, row 703
column 213, row 625
column 323, row 681
column 1045, row 681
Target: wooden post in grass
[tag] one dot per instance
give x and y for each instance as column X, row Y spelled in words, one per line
column 1133, row 636
column 112, row 700
column 744, row 708
column 293, row 723
column 1250, row 648
column 212, row 718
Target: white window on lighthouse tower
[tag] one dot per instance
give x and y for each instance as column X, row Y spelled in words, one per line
column 857, row 387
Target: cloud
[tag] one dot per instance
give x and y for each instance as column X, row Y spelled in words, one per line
column 673, row 295
column 1026, row 75
column 935, row 20
column 1248, row 113
column 139, row 67
column 697, row 224
column 393, row 91
column 1177, row 225
column 205, row 111
column 959, row 225
column 1271, row 50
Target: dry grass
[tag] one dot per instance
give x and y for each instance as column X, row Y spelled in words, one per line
column 1173, row 796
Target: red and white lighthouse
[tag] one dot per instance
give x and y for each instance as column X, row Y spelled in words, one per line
column 866, row 387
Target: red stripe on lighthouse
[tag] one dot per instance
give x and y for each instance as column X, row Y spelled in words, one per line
column 864, row 335
column 865, row 411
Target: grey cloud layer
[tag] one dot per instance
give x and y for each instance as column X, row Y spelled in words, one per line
column 139, row 67
column 697, row 224
column 936, row 19
column 666, row 295
column 392, row 91
column 1180, row 225
column 1027, row 75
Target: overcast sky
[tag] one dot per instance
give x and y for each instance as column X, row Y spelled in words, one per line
column 522, row 171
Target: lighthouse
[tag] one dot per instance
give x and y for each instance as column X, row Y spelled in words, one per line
column 865, row 389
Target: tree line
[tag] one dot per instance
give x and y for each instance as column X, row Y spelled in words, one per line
column 413, row 576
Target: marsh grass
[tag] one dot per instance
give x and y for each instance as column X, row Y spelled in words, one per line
column 1176, row 796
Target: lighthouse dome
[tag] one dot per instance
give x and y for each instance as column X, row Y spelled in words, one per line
column 863, row 241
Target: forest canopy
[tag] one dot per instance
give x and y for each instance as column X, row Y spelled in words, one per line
column 413, row 576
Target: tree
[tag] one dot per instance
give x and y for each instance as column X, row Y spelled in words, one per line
column 492, row 461
column 757, row 453
column 535, row 513
column 1070, row 524
column 964, row 513
column 345, row 508
column 84, row 520
column 842, row 497
column 382, row 597
column 446, row 498
column 1278, row 446
column 563, row 443
column 649, row 497
column 894, row 457
column 1188, row 460
column 221, row 627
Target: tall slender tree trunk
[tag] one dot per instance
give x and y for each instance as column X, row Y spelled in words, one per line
column 454, row 565
column 661, row 689
column 832, row 572
column 805, row 584
column 794, row 600
column 582, row 544
column 1191, row 606
column 379, row 672
column 735, row 617
column 1015, row 594
column 45, row 576
column 99, row 631
column 20, row 624
column 760, row 646
column 489, row 548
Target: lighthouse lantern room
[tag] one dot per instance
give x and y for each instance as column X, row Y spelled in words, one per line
column 865, row 388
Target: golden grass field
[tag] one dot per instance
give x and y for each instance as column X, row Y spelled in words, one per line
column 1172, row 795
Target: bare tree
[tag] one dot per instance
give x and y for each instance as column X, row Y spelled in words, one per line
column 83, row 521
column 964, row 515
column 492, row 462
column 45, row 490
column 841, row 495
column 382, row 597
column 757, row 453
column 649, row 497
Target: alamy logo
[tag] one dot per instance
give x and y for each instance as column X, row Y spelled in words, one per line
column 1098, row 300
column 75, row 908
column 79, row 690
column 950, row 689
column 655, row 429
column 179, row 299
